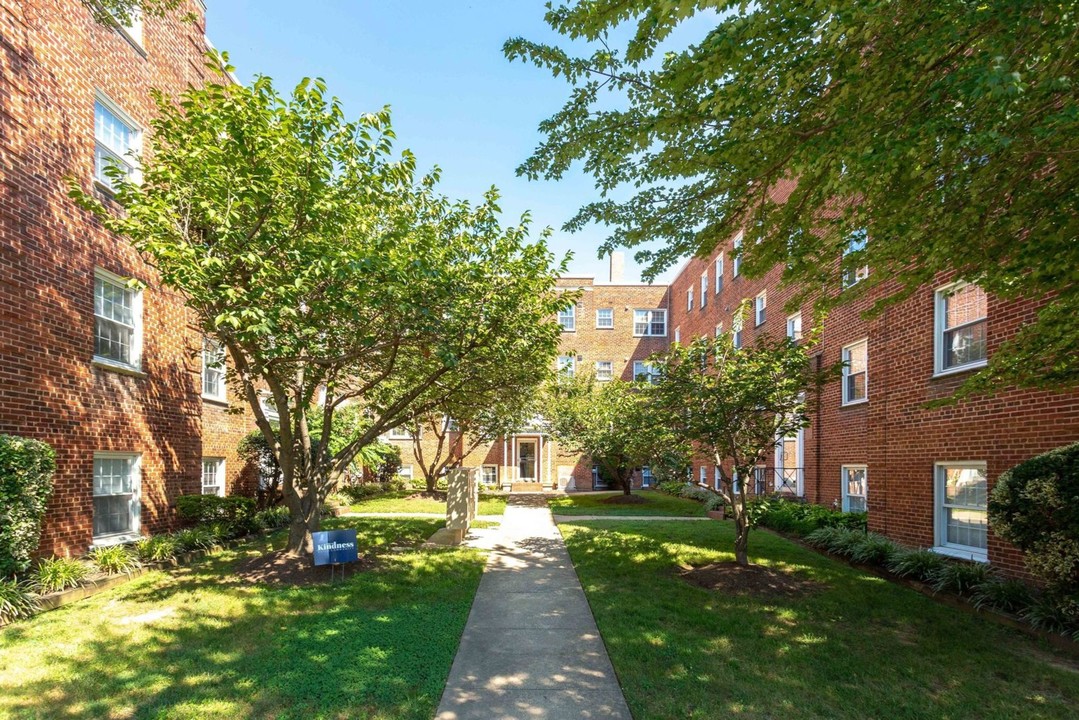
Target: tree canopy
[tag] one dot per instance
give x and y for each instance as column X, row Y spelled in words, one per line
column 330, row 272
column 945, row 131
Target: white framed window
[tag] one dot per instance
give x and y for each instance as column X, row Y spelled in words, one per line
column 794, row 326
column 213, row 476
column 960, row 333
column 736, row 256
column 213, row 370
column 117, row 140
column 760, row 305
column 719, row 273
column 116, row 493
column 489, row 475
column 689, row 299
column 604, row 370
column 117, row 321
column 854, row 481
column 678, row 334
column 605, row 318
column 717, row 478
column 855, row 244
column 719, row 329
column 405, row 472
column 649, row 323
column 645, row 371
column 567, row 318
column 567, row 365
column 736, row 484
column 269, row 407
column 704, row 475
column 647, row 479
column 401, row 433
column 855, row 373
column 962, row 521
column 450, row 425
column 704, row 289
column 131, row 30
column 736, row 329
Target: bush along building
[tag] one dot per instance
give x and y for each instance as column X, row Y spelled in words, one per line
column 109, row 373
column 923, row 475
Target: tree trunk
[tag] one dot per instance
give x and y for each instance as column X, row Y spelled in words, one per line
column 741, row 530
column 432, row 483
column 306, row 519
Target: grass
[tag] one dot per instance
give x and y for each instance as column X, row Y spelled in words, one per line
column 658, row 504
column 860, row 647
column 398, row 503
column 193, row 644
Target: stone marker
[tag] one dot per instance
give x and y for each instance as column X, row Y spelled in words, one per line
column 462, row 498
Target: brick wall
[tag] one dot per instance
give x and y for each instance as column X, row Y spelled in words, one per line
column 53, row 59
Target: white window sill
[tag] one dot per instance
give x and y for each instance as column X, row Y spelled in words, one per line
column 961, row 369
column 972, row 555
column 115, row 540
column 851, row 403
column 116, row 367
column 216, row 400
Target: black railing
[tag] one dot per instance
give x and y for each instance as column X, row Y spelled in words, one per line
column 777, row 481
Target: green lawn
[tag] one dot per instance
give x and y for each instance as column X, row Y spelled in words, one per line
column 397, row 503
column 193, row 644
column 861, row 647
column 658, row 504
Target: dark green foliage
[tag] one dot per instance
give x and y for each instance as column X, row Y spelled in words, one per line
column 16, row 601
column 272, row 518
column 916, row 564
column 114, row 559
column 1008, row 595
column 56, row 574
column 671, row 487
column 800, row 518
column 356, row 493
column 1035, row 506
column 159, row 548
column 26, row 469
column 201, row 537
column 212, row 508
column 872, row 549
column 255, row 450
column 1053, row 614
column 959, row 577
column 384, row 462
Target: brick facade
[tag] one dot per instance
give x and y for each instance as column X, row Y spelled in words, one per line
column 54, row 61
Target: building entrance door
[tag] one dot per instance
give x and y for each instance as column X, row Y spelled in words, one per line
column 526, row 460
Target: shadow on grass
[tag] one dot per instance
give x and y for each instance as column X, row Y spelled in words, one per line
column 861, row 647
column 192, row 644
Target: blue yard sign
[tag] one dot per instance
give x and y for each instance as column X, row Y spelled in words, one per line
column 333, row 547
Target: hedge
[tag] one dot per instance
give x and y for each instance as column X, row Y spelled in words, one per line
column 26, row 470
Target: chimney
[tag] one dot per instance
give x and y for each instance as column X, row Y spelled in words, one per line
column 618, row 265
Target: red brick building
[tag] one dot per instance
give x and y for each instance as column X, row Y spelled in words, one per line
column 109, row 375
column 922, row 474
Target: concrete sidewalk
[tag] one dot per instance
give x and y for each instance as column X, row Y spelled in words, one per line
column 531, row 648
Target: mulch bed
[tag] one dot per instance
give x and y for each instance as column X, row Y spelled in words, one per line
column 625, row 500
column 733, row 579
column 439, row 495
column 278, row 568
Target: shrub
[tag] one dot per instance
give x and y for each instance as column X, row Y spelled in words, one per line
column 919, row 564
column 204, row 509
column 16, row 601
column 255, row 450
column 201, row 537
column 1035, row 506
column 114, row 559
column 159, row 548
column 1007, row 595
column 959, row 577
column 824, row 537
column 272, row 518
column 26, row 469
column 671, row 487
column 801, row 518
column 1050, row 613
column 357, row 493
column 56, row 574
column 872, row 549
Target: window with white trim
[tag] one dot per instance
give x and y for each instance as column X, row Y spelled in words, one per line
column 717, row 478
column 605, row 318
column 213, row 369
column 704, row 289
column 117, row 139
column 567, row 365
column 689, row 299
column 736, row 256
column 401, row 433
column 719, row 329
column 855, row 245
column 719, row 273
column 760, row 304
column 646, row 477
column 854, row 486
column 117, row 481
column 794, row 326
column 678, row 334
column 604, row 370
column 649, row 323
column 855, row 372
column 405, row 471
column 704, row 475
column 117, row 321
column 645, row 371
column 213, row 476
column 490, row 475
column 269, row 406
column 567, row 318
column 961, row 310
column 736, row 329
column 962, row 492
column 736, row 484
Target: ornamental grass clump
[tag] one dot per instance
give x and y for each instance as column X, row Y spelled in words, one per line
column 959, row 577
column 872, row 549
column 114, row 559
column 156, row 549
column 16, row 601
column 56, row 574
column 1011, row 596
column 917, row 564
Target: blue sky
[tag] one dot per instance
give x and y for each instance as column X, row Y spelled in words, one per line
column 457, row 102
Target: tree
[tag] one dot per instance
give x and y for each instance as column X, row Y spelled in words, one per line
column 945, row 131
column 325, row 267
column 125, row 12
column 735, row 404
column 610, row 422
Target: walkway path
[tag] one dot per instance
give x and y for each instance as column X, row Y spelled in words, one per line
column 634, row 518
column 531, row 648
